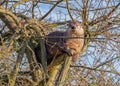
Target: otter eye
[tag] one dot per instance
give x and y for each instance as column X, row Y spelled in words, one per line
column 72, row 27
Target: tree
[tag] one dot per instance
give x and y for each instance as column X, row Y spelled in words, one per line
column 24, row 24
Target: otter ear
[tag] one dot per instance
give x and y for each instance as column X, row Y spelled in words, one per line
column 69, row 23
column 76, row 23
column 82, row 25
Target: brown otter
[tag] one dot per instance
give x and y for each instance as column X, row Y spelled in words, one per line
column 60, row 42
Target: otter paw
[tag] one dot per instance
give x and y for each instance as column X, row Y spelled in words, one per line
column 69, row 52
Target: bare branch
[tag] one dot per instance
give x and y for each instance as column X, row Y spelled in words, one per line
column 50, row 10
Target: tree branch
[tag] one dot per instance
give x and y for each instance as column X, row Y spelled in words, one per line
column 105, row 17
column 14, row 73
column 50, row 10
column 69, row 10
column 9, row 19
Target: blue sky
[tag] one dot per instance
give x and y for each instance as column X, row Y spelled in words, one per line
column 91, row 54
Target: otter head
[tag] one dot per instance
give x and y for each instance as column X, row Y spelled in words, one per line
column 75, row 27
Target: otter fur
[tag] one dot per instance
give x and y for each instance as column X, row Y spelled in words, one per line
column 60, row 42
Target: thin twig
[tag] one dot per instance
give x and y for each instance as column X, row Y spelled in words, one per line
column 69, row 10
column 50, row 10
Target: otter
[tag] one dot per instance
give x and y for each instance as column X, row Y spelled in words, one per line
column 59, row 42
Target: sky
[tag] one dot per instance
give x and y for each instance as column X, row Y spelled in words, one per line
column 91, row 56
